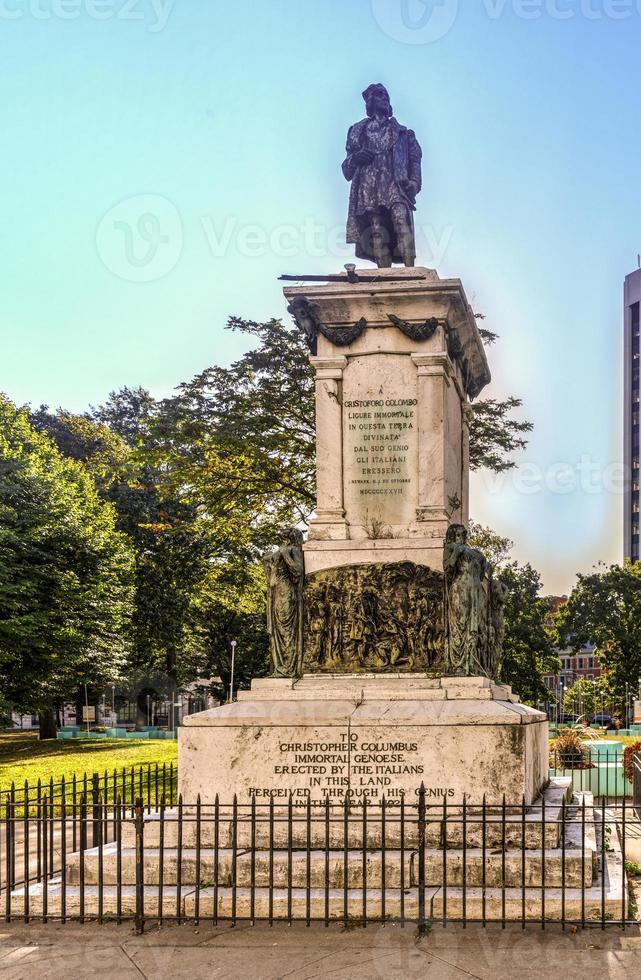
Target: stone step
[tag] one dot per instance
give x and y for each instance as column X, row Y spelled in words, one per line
column 494, row 830
column 381, row 687
column 209, row 861
column 493, row 904
column 474, row 867
column 606, row 899
column 111, row 896
column 474, row 832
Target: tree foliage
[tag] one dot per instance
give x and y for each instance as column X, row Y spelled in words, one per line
column 65, row 572
column 239, row 442
column 172, row 547
column 589, row 697
column 102, row 452
column 235, row 610
column 495, row 434
column 172, row 544
column 528, row 649
column 605, row 609
column 496, row 548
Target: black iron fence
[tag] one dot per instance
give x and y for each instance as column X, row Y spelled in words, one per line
column 600, row 772
column 150, row 782
column 414, row 861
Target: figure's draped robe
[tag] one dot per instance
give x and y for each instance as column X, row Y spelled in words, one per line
column 378, row 186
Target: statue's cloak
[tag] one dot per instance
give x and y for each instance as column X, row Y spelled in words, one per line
column 406, row 165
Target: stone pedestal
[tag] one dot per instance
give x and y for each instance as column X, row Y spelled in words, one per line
column 366, row 736
column 397, row 363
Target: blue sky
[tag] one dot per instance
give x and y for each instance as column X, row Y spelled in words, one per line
column 163, row 162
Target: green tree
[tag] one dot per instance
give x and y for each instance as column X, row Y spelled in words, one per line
column 102, row 451
column 172, row 547
column 604, row 608
column 495, row 434
column 242, row 439
column 65, row 574
column 589, row 697
column 496, row 548
column 172, row 542
column 234, row 609
column 528, row 648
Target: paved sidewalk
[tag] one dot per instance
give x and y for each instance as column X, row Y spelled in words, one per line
column 297, row 953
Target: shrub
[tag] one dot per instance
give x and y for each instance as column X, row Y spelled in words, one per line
column 628, row 760
column 570, row 752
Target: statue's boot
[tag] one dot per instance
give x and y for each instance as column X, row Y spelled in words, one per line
column 404, row 235
column 380, row 246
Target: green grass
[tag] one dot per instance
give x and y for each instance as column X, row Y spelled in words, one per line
column 22, row 757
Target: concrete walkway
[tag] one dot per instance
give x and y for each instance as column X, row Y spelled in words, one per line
column 297, row 953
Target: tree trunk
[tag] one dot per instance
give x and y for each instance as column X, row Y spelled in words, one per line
column 47, row 721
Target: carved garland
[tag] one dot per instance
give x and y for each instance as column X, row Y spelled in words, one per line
column 416, row 331
column 307, row 316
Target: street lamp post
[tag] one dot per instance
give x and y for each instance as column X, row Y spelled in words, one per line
column 234, row 644
column 627, row 705
column 602, row 708
column 560, row 708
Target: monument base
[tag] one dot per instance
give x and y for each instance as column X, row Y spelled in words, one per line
column 367, row 736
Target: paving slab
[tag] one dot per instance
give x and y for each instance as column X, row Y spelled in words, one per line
column 299, row 953
column 63, row 961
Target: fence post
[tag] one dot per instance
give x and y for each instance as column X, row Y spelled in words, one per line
column 95, row 810
column 8, row 838
column 636, row 784
column 13, row 834
column 422, row 926
column 139, row 824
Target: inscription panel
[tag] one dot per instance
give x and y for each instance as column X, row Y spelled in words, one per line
column 380, row 442
column 310, row 759
column 346, row 764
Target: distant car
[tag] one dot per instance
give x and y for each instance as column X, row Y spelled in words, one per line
column 568, row 719
column 605, row 721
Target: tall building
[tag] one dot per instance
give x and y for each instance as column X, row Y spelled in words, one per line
column 632, row 388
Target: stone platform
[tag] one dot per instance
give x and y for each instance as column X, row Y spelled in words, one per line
column 366, row 736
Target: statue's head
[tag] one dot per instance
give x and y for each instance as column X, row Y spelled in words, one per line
column 377, row 100
column 294, row 537
column 456, row 534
